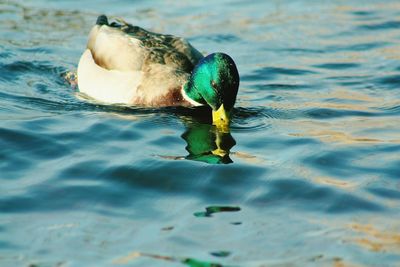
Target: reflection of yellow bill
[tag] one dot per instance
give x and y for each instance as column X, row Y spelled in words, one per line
column 221, row 118
column 219, row 151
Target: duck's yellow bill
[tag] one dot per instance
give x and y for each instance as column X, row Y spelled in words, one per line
column 221, row 118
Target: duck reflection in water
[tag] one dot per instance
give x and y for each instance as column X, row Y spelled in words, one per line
column 207, row 143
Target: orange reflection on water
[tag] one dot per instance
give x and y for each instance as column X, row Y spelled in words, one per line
column 341, row 263
column 375, row 239
column 336, row 136
column 335, row 182
column 352, row 130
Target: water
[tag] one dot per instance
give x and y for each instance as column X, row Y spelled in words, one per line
column 312, row 178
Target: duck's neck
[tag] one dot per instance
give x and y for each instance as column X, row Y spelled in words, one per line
column 191, row 93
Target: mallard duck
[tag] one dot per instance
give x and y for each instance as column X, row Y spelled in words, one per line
column 126, row 64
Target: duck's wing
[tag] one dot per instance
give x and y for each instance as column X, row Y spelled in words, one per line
column 112, row 49
column 169, row 50
column 124, row 47
column 108, row 86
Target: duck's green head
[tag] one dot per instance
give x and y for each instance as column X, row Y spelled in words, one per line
column 215, row 82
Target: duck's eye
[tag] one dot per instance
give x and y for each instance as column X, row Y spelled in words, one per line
column 214, row 85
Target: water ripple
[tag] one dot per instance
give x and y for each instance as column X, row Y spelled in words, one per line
column 218, row 38
column 387, row 25
column 305, row 195
column 391, row 82
column 14, row 70
column 42, row 147
column 390, row 110
column 363, row 13
column 281, row 86
column 251, row 119
column 268, row 73
column 330, row 113
column 385, row 192
column 220, row 183
column 357, row 47
column 337, row 66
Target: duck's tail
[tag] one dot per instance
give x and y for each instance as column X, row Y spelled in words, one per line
column 102, row 20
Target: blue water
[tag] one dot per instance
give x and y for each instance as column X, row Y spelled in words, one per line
column 313, row 173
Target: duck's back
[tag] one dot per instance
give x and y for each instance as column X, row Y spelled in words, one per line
column 127, row 64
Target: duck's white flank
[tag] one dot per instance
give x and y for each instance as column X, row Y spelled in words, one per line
column 109, row 86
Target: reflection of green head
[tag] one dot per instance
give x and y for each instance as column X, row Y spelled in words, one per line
column 215, row 82
column 205, row 143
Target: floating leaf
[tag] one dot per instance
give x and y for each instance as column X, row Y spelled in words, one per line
column 215, row 209
column 220, row 253
column 187, row 261
column 202, row 214
column 167, row 228
column 196, row 263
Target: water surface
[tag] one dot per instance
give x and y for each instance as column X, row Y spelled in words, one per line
column 311, row 177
